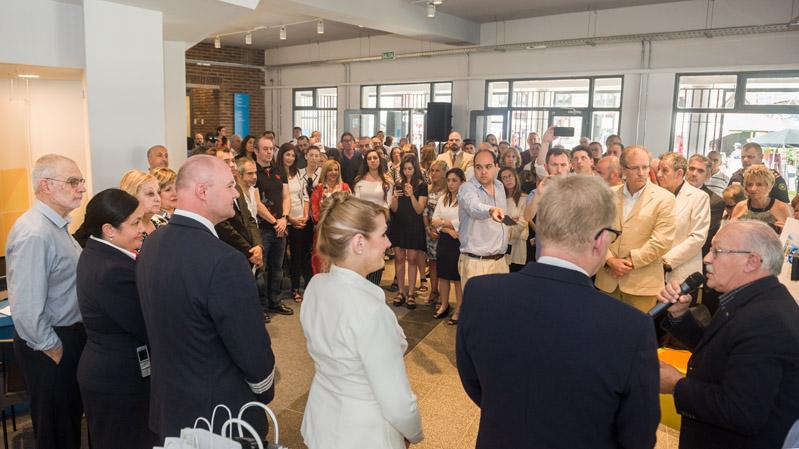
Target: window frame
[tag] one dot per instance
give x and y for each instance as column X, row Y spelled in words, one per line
column 588, row 110
column 314, row 106
column 739, row 106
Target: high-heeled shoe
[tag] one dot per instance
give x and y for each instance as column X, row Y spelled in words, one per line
column 399, row 299
column 442, row 314
column 411, row 304
column 452, row 321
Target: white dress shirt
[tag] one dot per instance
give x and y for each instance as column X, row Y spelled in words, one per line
column 562, row 263
column 360, row 395
column 197, row 217
column 631, row 198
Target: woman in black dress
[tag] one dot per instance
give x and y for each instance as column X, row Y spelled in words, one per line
column 115, row 391
column 445, row 220
column 407, row 227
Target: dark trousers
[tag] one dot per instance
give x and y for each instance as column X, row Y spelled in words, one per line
column 375, row 277
column 274, row 250
column 119, row 421
column 300, row 260
column 56, row 407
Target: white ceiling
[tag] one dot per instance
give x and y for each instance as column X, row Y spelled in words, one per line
column 299, row 33
column 482, row 11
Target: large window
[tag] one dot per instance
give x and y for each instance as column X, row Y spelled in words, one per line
column 315, row 110
column 397, row 109
column 514, row 108
column 723, row 111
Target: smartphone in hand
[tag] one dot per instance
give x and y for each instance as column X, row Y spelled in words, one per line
column 508, row 221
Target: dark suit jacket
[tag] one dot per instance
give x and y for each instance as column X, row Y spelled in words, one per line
column 109, row 304
column 716, row 212
column 208, row 343
column 554, row 363
column 742, row 388
column 240, row 231
column 778, row 192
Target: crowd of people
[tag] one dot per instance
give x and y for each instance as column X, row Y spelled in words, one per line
column 149, row 316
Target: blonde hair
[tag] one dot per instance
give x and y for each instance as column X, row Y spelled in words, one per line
column 326, row 168
column 759, row 172
column 165, row 176
column 343, row 217
column 573, row 210
column 132, row 181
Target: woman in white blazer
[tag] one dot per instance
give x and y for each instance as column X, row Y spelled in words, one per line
column 360, row 396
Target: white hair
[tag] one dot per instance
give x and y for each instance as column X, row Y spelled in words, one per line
column 47, row 167
column 761, row 240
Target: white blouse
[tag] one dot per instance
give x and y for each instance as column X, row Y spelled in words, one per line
column 298, row 195
column 372, row 191
column 446, row 213
column 518, row 233
column 360, row 395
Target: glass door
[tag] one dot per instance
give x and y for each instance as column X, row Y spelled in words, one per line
column 484, row 123
column 573, row 119
column 418, row 118
column 395, row 122
column 360, row 122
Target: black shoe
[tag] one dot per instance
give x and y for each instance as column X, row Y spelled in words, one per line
column 399, row 300
column 267, row 318
column 393, row 287
column 282, row 309
column 411, row 304
column 443, row 314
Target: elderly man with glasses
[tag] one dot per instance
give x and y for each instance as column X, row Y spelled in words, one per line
column 633, row 271
column 49, row 336
column 742, row 385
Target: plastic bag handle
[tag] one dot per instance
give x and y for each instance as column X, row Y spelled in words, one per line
column 269, row 413
column 240, row 423
column 201, row 419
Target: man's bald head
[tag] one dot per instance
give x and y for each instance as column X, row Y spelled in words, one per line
column 206, row 187
column 157, row 157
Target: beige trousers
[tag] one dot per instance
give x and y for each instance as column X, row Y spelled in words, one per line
column 469, row 267
column 642, row 303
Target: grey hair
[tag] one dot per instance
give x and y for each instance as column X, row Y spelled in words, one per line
column 703, row 159
column 763, row 241
column 47, row 167
column 572, row 210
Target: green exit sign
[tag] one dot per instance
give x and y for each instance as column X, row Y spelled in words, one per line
column 388, row 55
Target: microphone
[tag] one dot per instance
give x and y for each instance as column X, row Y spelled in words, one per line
column 690, row 284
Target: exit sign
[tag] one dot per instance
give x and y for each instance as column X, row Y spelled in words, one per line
column 388, row 55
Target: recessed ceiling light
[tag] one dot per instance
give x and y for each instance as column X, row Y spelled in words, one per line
column 27, row 76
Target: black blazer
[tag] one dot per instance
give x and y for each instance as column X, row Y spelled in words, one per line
column 554, row 363
column 208, row 343
column 109, row 304
column 742, row 388
column 240, row 231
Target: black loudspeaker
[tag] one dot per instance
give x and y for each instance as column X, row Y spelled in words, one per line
column 439, row 121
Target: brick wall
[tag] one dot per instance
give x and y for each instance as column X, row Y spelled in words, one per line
column 212, row 107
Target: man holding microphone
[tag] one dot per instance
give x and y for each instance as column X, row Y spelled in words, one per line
column 742, row 385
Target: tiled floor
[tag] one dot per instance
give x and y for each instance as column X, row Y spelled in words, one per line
column 449, row 417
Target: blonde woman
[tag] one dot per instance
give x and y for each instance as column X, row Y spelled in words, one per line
column 758, row 181
column 329, row 183
column 144, row 187
column 437, row 188
column 360, row 396
column 168, row 192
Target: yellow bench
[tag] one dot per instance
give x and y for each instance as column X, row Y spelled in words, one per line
column 679, row 359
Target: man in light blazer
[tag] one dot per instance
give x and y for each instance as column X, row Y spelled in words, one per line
column 633, row 270
column 455, row 157
column 691, row 215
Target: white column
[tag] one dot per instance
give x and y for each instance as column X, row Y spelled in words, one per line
column 175, row 101
column 124, row 87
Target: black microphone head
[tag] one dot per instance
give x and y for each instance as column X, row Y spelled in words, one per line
column 691, row 283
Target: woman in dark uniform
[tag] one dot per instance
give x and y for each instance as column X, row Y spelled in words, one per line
column 113, row 387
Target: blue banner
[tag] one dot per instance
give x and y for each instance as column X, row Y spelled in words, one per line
column 241, row 114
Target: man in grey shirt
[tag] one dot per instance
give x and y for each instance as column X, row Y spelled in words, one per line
column 42, row 259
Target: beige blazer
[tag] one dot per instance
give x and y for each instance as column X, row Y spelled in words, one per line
column 463, row 160
column 647, row 234
column 692, row 217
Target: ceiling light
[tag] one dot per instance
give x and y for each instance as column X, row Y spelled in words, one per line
column 431, row 10
column 536, row 47
column 438, row 2
column 27, row 76
column 320, row 27
column 283, row 33
column 217, row 42
column 248, row 38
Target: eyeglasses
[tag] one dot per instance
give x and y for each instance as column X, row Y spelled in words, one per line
column 615, row 234
column 717, row 251
column 73, row 182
